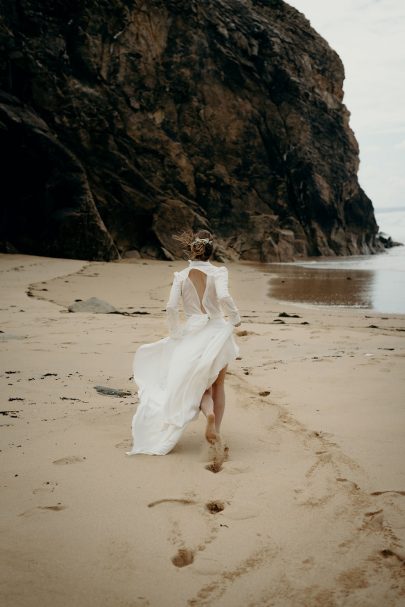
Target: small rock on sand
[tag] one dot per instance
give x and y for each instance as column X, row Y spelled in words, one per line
column 9, row 336
column 112, row 391
column 94, row 305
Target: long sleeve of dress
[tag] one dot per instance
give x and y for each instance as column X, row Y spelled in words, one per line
column 227, row 304
column 172, row 307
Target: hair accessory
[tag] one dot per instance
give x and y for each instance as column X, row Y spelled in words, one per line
column 203, row 240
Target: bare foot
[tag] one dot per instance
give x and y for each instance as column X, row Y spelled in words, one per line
column 210, row 433
column 218, row 453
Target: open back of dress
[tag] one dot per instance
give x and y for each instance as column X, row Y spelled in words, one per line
column 199, row 294
column 198, row 281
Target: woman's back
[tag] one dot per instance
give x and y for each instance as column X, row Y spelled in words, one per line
column 199, row 292
column 198, row 280
column 203, row 288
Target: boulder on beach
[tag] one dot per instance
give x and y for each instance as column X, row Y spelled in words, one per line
column 93, row 305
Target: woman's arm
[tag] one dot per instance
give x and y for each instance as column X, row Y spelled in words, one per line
column 172, row 307
column 227, row 303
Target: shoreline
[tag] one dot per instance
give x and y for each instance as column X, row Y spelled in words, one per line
column 375, row 283
column 313, row 424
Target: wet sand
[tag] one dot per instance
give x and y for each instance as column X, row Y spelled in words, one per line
column 307, row 508
column 374, row 282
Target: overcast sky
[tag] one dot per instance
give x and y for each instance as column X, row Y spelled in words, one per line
column 369, row 36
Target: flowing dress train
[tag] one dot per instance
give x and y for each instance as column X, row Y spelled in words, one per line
column 173, row 373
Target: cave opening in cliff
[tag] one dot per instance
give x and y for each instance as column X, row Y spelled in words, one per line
column 35, row 193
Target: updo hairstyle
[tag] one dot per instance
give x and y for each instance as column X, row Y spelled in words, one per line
column 202, row 245
column 199, row 245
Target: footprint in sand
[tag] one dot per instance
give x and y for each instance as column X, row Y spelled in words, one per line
column 353, row 579
column 387, row 552
column 71, row 459
column 53, row 507
column 184, row 557
column 215, row 589
column 218, row 454
column 215, row 506
column 47, row 487
column 351, row 484
column 214, row 467
column 374, row 520
column 307, row 563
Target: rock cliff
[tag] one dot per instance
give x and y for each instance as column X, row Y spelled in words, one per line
column 123, row 121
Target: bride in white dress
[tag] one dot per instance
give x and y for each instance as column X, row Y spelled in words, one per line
column 185, row 372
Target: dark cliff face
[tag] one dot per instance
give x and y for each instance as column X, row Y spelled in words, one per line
column 123, row 121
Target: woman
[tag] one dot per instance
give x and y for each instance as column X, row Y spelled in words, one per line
column 185, row 372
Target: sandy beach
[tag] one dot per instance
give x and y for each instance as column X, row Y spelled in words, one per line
column 307, row 509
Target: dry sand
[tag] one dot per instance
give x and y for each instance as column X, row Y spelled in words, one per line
column 308, row 510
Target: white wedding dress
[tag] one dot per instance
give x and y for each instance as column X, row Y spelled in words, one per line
column 173, row 373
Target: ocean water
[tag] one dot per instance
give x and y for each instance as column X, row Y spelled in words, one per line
column 392, row 221
column 373, row 282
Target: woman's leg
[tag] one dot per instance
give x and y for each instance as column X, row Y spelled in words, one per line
column 218, row 396
column 207, row 407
